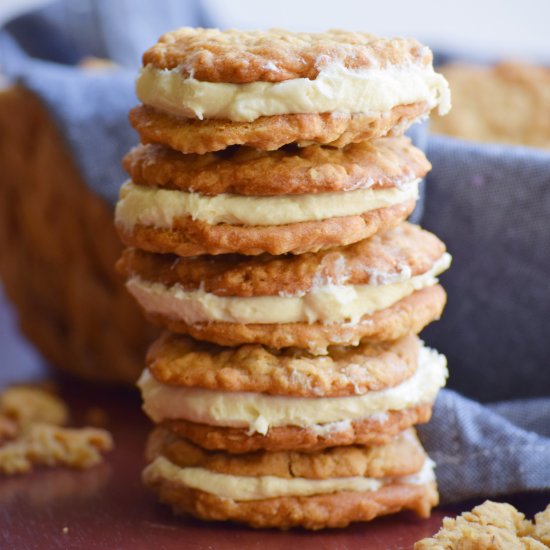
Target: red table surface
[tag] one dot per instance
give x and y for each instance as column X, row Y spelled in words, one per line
column 106, row 507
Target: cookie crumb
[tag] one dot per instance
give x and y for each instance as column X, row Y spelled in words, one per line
column 8, row 429
column 32, row 433
column 542, row 526
column 492, row 525
column 27, row 404
column 50, row 445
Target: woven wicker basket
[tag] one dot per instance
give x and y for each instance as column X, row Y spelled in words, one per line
column 58, row 248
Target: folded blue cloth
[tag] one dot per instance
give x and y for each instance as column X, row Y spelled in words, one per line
column 490, row 204
column 488, row 450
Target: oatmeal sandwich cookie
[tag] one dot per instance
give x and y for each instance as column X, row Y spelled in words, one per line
column 249, row 398
column 203, row 89
column 329, row 488
column 377, row 289
column 247, row 201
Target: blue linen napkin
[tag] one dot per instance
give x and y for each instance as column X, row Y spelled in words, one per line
column 490, row 204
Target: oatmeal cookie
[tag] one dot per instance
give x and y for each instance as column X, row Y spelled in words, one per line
column 385, row 162
column 192, row 237
column 181, row 361
column 406, row 250
column 375, row 430
column 402, row 455
column 275, row 55
column 271, row 132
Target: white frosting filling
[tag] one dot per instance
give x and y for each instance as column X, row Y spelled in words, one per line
column 258, row 412
column 336, row 89
column 160, row 207
column 326, row 304
column 245, row 488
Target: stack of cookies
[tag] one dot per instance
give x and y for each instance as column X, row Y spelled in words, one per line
column 265, row 224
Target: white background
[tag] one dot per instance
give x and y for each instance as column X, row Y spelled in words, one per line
column 518, row 29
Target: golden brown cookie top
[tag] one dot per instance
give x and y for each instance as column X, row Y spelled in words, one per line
column 275, row 55
column 385, row 162
column 386, row 257
column 401, row 456
column 181, row 361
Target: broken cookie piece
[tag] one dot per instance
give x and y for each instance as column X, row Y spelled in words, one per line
column 31, row 433
column 490, row 526
column 49, row 445
column 25, row 405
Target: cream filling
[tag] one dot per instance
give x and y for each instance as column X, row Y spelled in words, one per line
column 326, row 304
column 160, row 207
column 259, row 412
column 336, row 89
column 242, row 488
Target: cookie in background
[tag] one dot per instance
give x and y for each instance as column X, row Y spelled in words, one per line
column 505, row 103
